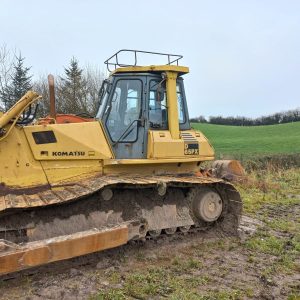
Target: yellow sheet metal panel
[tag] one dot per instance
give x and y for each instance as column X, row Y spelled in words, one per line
column 163, row 68
column 62, row 171
column 73, row 141
column 191, row 144
column 153, row 161
column 162, row 145
column 18, row 168
column 205, row 147
column 172, row 104
column 154, row 168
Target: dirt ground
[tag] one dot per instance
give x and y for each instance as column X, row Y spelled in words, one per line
column 262, row 263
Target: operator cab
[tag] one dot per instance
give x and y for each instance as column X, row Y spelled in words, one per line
column 134, row 100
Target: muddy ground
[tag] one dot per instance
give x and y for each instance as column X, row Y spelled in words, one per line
column 263, row 262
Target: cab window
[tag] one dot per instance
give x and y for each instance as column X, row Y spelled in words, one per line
column 158, row 112
column 125, row 111
column 180, row 104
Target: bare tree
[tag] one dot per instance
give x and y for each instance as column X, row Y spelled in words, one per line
column 85, row 100
column 41, row 86
column 94, row 78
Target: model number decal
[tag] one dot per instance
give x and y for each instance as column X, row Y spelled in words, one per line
column 68, row 153
column 191, row 149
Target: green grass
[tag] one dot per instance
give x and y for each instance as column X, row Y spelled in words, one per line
column 252, row 140
column 272, row 188
column 162, row 282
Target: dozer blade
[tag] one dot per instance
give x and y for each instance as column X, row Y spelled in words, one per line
column 14, row 257
column 230, row 170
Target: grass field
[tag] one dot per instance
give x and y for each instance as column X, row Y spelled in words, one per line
column 252, row 141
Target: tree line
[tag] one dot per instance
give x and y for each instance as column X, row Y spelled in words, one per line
column 76, row 89
column 77, row 92
column 276, row 118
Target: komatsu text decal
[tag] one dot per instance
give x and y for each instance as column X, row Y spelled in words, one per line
column 68, row 153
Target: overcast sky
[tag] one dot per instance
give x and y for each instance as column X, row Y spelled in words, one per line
column 244, row 56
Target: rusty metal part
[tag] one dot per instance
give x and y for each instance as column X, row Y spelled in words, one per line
column 63, row 119
column 52, row 96
column 230, row 170
column 204, row 172
column 15, row 258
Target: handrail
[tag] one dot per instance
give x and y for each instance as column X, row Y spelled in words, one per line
column 114, row 59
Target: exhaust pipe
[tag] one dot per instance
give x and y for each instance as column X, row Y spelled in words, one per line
column 52, row 96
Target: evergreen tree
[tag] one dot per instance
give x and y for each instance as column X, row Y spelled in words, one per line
column 19, row 84
column 72, row 93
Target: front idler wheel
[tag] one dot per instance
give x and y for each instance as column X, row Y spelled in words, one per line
column 207, row 206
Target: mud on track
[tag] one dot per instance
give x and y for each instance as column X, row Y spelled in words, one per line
column 169, row 267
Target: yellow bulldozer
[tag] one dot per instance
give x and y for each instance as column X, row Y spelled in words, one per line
column 134, row 172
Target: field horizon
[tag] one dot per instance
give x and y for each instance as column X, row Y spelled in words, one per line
column 249, row 141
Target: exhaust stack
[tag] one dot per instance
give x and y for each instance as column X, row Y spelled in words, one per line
column 52, row 96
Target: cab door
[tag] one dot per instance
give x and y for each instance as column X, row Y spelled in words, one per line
column 124, row 117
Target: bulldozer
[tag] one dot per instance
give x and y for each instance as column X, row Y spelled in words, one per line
column 71, row 186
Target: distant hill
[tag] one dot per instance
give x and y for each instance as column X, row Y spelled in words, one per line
column 276, row 118
column 252, row 140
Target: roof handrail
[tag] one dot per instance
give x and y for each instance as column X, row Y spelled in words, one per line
column 114, row 59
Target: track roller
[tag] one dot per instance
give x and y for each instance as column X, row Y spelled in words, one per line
column 170, row 231
column 154, row 233
column 184, row 229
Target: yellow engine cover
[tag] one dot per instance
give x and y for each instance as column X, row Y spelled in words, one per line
column 191, row 144
column 52, row 154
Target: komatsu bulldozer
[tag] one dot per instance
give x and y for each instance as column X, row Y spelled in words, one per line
column 134, row 172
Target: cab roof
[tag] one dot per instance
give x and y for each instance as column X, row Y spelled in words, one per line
column 152, row 69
